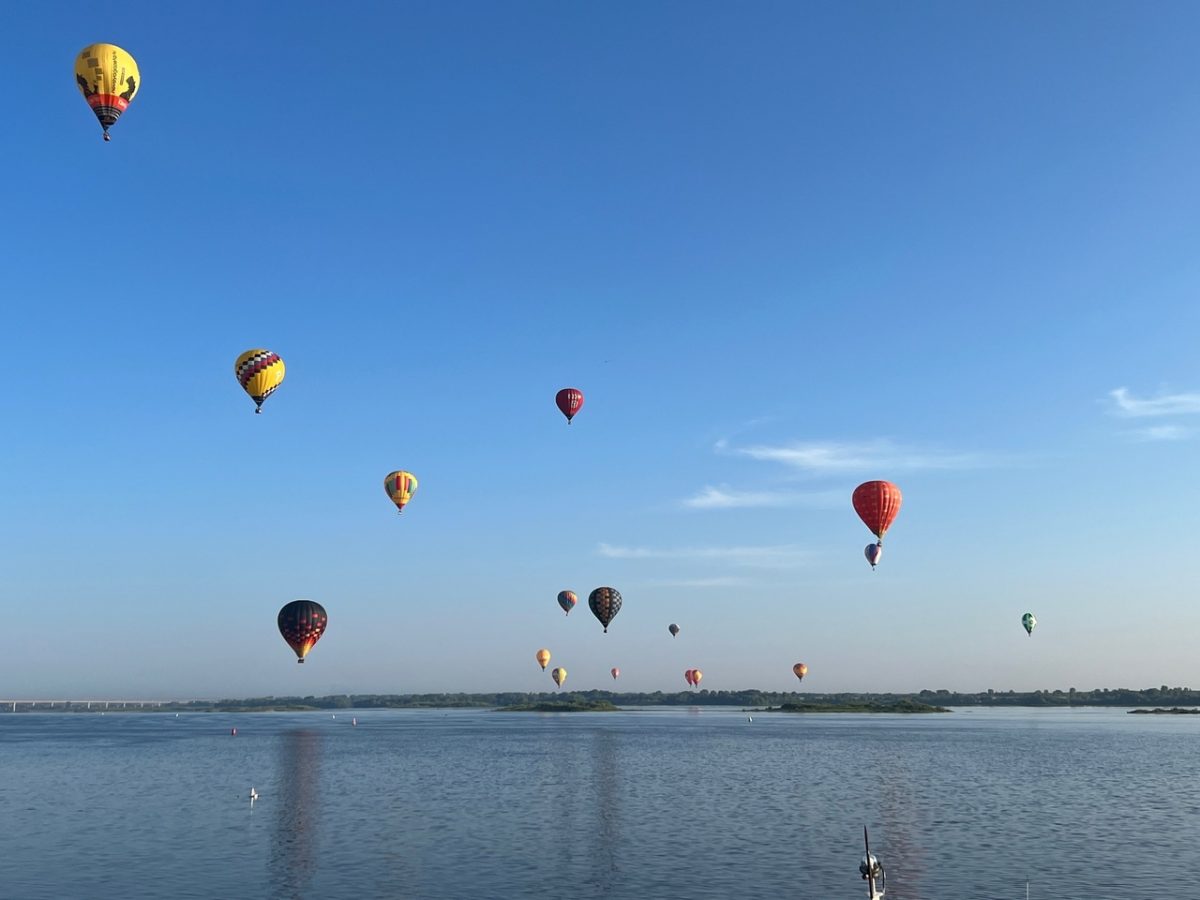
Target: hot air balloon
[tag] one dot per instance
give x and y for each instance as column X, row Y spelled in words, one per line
column 1029, row 620
column 259, row 372
column 687, row 676
column 615, row 673
column 800, row 670
column 567, row 600
column 873, row 554
column 696, row 676
column 605, row 603
column 400, row 486
column 673, row 628
column 559, row 676
column 108, row 78
column 570, row 401
column 302, row 622
column 543, row 657
column 877, row 503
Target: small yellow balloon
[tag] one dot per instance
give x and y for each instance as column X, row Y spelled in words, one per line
column 559, row 676
column 543, row 657
column 400, row 487
column 109, row 79
column 259, row 372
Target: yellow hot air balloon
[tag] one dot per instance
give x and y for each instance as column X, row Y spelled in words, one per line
column 400, row 487
column 109, row 79
column 259, row 372
column 559, row 676
column 543, row 657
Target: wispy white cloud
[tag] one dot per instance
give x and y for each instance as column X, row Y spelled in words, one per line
column 1162, row 433
column 776, row 557
column 832, row 456
column 724, row 497
column 1125, row 404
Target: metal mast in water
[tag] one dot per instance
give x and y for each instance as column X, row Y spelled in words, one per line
column 870, row 869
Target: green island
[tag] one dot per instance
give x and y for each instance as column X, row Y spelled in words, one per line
column 895, row 706
column 1173, row 711
column 1164, row 696
column 562, row 706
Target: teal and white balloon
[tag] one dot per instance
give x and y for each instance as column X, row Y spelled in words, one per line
column 1029, row 620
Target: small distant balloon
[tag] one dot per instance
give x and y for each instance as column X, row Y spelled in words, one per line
column 400, row 487
column 800, row 670
column 567, row 600
column 687, row 676
column 605, row 603
column 696, row 676
column 570, row 401
column 559, row 676
column 260, row 373
column 873, row 553
column 543, row 657
column 302, row 622
column 1029, row 621
column 616, row 673
column 673, row 628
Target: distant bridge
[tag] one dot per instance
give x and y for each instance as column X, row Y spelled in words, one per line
column 11, row 705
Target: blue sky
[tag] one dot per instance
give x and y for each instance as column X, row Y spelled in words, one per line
column 782, row 248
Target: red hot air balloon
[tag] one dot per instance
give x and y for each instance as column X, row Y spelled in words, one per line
column 616, row 673
column 877, row 503
column 687, row 676
column 605, row 603
column 570, row 401
column 302, row 622
column 800, row 670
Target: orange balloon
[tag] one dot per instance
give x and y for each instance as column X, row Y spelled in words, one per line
column 696, row 676
column 800, row 670
column 543, row 657
column 877, row 504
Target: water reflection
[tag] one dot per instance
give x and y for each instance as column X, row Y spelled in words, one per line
column 293, row 859
column 608, row 811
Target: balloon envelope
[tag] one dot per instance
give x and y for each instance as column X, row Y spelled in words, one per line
column 570, row 401
column 877, row 503
column 605, row 603
column 1029, row 621
column 687, row 676
column 800, row 670
column 673, row 628
column 543, row 657
column 400, row 487
column 302, row 622
column 567, row 600
column 615, row 673
column 696, row 676
column 109, row 79
column 260, row 372
column 873, row 553
column 559, row 676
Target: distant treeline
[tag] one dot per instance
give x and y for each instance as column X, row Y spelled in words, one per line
column 749, row 698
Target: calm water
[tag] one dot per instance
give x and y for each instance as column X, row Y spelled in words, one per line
column 671, row 803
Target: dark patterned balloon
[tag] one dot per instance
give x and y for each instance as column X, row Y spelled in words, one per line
column 605, row 603
column 302, row 622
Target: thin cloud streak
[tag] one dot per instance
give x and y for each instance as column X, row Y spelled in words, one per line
column 831, row 456
column 1127, row 405
column 725, row 497
column 1162, row 433
column 768, row 557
